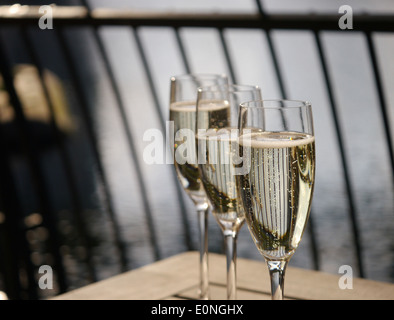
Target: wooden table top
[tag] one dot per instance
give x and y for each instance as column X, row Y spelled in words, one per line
column 177, row 278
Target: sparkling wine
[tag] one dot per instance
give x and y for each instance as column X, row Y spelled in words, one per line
column 277, row 190
column 218, row 155
column 184, row 116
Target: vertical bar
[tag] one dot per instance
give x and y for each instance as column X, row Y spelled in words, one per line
column 67, row 167
column 311, row 227
column 181, row 47
column 273, row 54
column 341, row 146
column 108, row 202
column 275, row 62
column 148, row 72
column 35, row 168
column 227, row 56
column 382, row 101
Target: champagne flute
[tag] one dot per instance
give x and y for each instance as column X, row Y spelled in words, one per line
column 183, row 97
column 277, row 139
column 217, row 135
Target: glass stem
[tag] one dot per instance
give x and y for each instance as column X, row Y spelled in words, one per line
column 203, row 228
column 277, row 275
column 231, row 256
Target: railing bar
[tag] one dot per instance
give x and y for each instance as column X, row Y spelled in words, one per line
column 272, row 51
column 382, row 101
column 227, row 56
column 17, row 245
column 181, row 47
column 35, row 168
column 153, row 90
column 67, row 167
column 260, row 9
column 341, row 146
column 311, row 227
column 283, row 93
column 108, row 201
column 275, row 62
column 291, row 21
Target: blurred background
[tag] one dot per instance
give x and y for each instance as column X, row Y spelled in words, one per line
column 76, row 100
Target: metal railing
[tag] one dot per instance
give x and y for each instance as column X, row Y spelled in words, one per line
column 15, row 247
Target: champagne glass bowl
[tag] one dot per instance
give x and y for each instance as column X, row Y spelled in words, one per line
column 276, row 138
column 183, row 96
column 217, row 134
